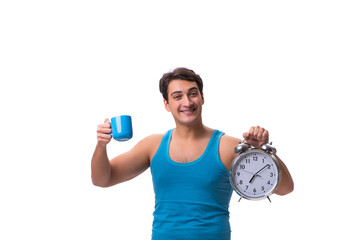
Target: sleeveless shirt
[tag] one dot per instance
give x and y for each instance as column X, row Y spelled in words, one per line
column 191, row 199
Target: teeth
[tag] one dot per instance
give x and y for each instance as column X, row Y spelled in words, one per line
column 187, row 111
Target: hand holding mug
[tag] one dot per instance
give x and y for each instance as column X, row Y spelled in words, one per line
column 120, row 128
column 103, row 133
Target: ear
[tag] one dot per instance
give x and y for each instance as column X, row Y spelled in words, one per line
column 203, row 99
column 166, row 105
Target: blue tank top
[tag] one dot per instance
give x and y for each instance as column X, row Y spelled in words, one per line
column 191, row 199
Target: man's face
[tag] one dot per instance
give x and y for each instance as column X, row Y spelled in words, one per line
column 184, row 101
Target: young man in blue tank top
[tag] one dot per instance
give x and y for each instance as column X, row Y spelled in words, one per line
column 189, row 165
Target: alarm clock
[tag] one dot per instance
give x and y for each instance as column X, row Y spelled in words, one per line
column 255, row 172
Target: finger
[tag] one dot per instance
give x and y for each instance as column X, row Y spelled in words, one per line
column 104, row 137
column 252, row 142
column 104, row 128
column 251, row 132
column 265, row 136
column 246, row 135
column 256, row 131
column 107, row 123
column 260, row 133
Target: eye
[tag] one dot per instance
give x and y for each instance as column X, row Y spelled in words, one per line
column 194, row 94
column 177, row 97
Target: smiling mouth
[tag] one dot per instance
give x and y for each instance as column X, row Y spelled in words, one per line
column 188, row 111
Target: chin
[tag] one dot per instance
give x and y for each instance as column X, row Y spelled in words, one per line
column 189, row 121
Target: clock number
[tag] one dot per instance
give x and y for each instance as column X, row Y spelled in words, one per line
column 262, row 188
column 271, row 174
column 247, row 160
column 238, row 173
column 268, row 182
column 254, row 158
column 246, row 187
column 240, row 182
column 241, row 166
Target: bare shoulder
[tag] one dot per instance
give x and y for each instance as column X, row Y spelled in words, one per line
column 151, row 144
column 226, row 147
column 152, row 140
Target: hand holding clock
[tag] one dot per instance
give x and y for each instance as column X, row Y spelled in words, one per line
column 256, row 136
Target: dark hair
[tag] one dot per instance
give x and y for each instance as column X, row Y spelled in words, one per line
column 179, row 73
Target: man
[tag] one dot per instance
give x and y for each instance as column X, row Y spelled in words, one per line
column 189, row 165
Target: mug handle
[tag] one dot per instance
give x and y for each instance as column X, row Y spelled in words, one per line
column 111, row 134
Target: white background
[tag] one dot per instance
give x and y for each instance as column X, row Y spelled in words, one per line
column 67, row 65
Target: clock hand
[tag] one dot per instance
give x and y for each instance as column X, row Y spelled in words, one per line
column 258, row 172
column 246, row 171
column 249, row 172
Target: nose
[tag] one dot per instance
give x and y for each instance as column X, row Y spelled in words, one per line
column 188, row 101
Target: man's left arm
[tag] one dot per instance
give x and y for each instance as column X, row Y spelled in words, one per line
column 286, row 185
column 258, row 136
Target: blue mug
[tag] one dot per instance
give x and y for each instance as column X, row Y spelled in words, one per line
column 121, row 128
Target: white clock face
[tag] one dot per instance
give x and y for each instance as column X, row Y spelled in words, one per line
column 254, row 175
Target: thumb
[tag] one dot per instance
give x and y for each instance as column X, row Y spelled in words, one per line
column 106, row 120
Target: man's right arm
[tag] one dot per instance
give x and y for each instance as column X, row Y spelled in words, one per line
column 101, row 167
column 124, row 167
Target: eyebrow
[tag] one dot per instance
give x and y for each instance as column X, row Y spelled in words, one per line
column 192, row 88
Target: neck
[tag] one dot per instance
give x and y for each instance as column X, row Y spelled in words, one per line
column 190, row 131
